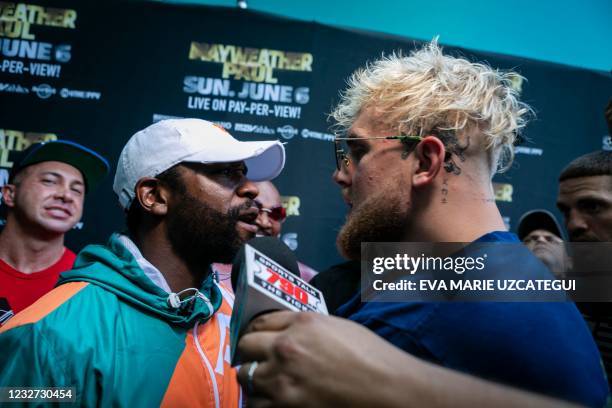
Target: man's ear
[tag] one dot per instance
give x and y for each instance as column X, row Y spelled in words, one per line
column 152, row 196
column 430, row 154
column 8, row 194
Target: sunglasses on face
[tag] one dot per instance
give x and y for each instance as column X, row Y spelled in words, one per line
column 341, row 148
column 277, row 214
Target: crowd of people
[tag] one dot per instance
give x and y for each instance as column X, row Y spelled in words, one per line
column 143, row 320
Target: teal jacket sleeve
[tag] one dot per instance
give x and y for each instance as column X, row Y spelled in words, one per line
column 29, row 360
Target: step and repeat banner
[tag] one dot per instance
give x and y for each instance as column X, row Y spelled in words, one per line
column 97, row 73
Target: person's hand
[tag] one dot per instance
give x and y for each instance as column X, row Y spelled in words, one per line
column 311, row 360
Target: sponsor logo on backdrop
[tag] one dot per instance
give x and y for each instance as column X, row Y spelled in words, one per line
column 291, row 240
column 529, row 151
column 79, row 94
column 247, row 84
column 503, row 192
column 311, row 134
column 20, row 25
column 250, row 128
column 44, row 91
column 606, row 142
column 291, row 204
column 13, row 88
column 287, row 131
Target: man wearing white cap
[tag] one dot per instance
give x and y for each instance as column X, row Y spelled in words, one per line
column 140, row 321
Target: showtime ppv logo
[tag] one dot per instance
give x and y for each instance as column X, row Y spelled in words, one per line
column 79, row 94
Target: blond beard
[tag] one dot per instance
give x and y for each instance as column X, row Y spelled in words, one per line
column 380, row 218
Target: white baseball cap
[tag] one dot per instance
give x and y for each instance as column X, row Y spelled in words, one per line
column 164, row 144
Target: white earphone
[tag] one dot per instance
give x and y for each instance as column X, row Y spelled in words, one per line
column 174, row 299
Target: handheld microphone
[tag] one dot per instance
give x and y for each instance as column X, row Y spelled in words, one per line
column 265, row 278
column 268, row 245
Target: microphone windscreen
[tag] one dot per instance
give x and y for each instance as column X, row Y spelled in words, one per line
column 273, row 248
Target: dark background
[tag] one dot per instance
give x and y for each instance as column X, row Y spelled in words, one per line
column 136, row 56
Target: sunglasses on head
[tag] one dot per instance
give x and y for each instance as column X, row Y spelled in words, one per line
column 275, row 213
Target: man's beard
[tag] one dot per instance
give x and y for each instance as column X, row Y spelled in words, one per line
column 201, row 235
column 380, row 218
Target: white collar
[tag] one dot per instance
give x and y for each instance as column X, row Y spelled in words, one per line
column 147, row 267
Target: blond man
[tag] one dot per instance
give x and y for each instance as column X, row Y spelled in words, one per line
column 423, row 136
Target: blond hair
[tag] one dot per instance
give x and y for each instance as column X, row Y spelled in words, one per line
column 428, row 92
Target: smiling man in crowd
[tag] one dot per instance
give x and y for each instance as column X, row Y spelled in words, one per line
column 140, row 321
column 43, row 200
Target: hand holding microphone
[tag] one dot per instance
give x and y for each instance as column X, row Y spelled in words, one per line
column 312, row 360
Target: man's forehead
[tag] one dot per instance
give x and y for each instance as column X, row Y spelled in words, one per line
column 268, row 194
column 368, row 120
column 57, row 167
column 541, row 231
column 590, row 184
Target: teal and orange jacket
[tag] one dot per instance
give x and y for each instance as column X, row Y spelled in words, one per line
column 107, row 331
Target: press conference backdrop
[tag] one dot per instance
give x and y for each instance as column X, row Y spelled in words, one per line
column 96, row 74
